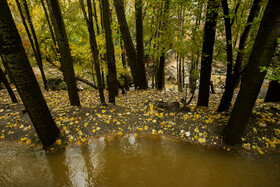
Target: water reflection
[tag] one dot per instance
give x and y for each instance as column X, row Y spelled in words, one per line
column 131, row 160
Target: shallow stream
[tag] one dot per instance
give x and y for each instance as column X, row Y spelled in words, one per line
column 133, row 160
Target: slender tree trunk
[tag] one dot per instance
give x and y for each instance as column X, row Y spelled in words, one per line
column 262, row 52
column 126, row 83
column 273, row 92
column 140, row 45
column 64, row 49
column 95, row 17
column 207, row 52
column 93, row 46
column 8, row 87
column 17, row 65
column 229, row 76
column 128, row 44
column 49, row 23
column 233, row 77
column 160, row 70
column 110, row 53
column 37, row 47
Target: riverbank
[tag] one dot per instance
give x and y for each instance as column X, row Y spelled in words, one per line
column 150, row 112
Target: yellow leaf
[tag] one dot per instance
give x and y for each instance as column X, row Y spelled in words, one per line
column 58, row 141
column 86, row 124
column 28, row 141
column 172, row 114
column 103, row 111
column 93, row 130
column 140, row 129
column 64, row 127
column 120, row 133
column 23, row 139
column 108, row 121
column 146, row 128
column 76, row 122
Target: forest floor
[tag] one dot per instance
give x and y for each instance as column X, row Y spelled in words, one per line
column 140, row 112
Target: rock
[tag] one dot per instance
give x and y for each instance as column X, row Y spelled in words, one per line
column 56, row 84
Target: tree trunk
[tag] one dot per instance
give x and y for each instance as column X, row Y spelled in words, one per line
column 140, row 45
column 207, row 52
column 17, row 65
column 160, row 81
column 37, row 47
column 49, row 23
column 95, row 17
column 262, row 52
column 8, row 87
column 110, row 53
column 93, row 46
column 273, row 92
column 232, row 78
column 128, row 44
column 64, row 49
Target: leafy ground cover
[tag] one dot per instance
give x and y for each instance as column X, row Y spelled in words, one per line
column 138, row 112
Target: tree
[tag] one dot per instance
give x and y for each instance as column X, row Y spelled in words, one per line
column 160, row 69
column 128, row 44
column 33, row 39
column 273, row 92
column 93, row 46
column 17, row 65
column 262, row 52
column 233, row 77
column 110, row 53
column 7, row 85
column 207, row 52
column 140, row 45
column 64, row 50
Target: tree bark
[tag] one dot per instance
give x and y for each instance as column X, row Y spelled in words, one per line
column 93, row 46
column 233, row 77
column 207, row 52
column 140, row 45
column 37, row 47
column 64, row 49
column 128, row 44
column 17, row 65
column 7, row 85
column 110, row 53
column 263, row 49
column 273, row 92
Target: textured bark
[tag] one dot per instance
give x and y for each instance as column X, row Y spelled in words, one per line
column 262, row 52
column 37, row 47
column 7, row 85
column 233, row 77
column 273, row 92
column 128, row 44
column 64, row 49
column 17, row 65
column 140, row 45
column 207, row 52
column 110, row 53
column 93, row 46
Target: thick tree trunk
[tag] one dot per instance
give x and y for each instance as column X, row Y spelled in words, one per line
column 8, row 87
column 160, row 73
column 37, row 47
column 128, row 44
column 232, row 78
column 207, row 52
column 273, row 92
column 140, row 45
column 64, row 49
column 263, row 49
column 17, row 65
column 93, row 46
column 110, row 53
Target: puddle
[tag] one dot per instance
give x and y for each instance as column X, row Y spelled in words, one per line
column 135, row 161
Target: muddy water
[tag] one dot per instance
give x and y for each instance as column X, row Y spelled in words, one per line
column 135, row 161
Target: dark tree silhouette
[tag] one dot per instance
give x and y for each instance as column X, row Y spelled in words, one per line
column 4, row 80
column 17, row 65
column 64, row 50
column 207, row 52
column 263, row 50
